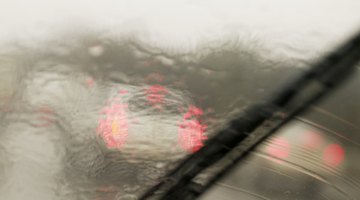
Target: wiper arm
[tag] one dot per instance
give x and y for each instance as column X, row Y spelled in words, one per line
column 258, row 122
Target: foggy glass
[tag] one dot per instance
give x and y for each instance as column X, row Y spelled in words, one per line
column 99, row 100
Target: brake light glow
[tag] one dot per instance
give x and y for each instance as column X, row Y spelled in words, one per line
column 191, row 131
column 113, row 125
column 334, row 154
column 279, row 148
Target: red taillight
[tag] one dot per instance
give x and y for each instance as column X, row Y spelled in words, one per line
column 191, row 131
column 155, row 95
column 333, row 154
column 113, row 125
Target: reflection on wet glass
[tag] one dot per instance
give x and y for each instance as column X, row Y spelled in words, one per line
column 107, row 121
column 99, row 116
column 113, row 128
column 313, row 157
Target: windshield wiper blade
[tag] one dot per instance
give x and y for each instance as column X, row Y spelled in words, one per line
column 258, row 122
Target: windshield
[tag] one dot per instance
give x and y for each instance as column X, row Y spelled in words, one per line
column 100, row 100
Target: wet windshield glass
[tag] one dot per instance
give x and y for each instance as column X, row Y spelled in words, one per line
column 313, row 157
column 99, row 100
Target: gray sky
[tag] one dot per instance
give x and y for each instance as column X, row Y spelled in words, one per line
column 279, row 24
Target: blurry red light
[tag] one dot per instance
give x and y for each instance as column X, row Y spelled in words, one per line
column 279, row 148
column 155, row 95
column 191, row 131
column 333, row 154
column 113, row 125
column 121, row 92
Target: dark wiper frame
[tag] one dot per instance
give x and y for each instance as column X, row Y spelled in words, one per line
column 255, row 124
